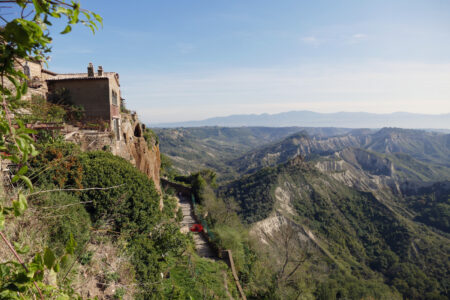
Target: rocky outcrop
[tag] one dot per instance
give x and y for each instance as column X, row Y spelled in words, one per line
column 295, row 145
column 145, row 155
column 131, row 145
column 361, row 169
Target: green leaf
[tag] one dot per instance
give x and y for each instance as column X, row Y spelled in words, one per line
column 27, row 181
column 55, row 15
column 49, row 258
column 20, row 205
column 4, row 270
column 22, row 277
column 38, row 8
column 18, row 92
column 22, row 171
column 38, row 259
column 24, row 88
column 7, row 210
column 34, row 152
column 74, row 19
column 62, row 10
column 87, row 15
column 64, row 261
column 56, row 267
column 98, row 18
column 71, row 244
column 21, row 250
column 67, row 29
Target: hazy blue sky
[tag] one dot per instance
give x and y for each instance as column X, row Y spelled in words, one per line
column 182, row 60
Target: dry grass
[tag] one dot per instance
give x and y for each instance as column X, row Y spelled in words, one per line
column 106, row 271
column 103, row 270
column 24, row 230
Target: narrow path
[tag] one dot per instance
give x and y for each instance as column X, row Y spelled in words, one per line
column 201, row 244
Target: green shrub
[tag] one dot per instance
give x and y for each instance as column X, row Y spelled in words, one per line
column 131, row 201
column 57, row 164
column 233, row 239
column 150, row 137
column 86, row 258
column 120, row 292
column 170, row 205
column 150, row 254
column 180, row 215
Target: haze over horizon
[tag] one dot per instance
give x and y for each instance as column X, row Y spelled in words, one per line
column 307, row 118
column 181, row 61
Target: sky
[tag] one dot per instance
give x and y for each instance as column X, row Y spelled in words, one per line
column 185, row 60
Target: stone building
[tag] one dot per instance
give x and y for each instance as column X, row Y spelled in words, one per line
column 37, row 76
column 97, row 92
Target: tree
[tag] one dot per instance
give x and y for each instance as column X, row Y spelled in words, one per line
column 25, row 36
column 295, row 251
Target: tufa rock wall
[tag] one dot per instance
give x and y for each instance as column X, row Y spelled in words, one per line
column 143, row 154
column 132, row 145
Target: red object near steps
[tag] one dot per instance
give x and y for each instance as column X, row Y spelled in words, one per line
column 196, row 228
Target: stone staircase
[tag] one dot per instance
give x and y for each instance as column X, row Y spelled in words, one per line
column 201, row 244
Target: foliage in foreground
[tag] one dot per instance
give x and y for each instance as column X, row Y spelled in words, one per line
column 126, row 202
column 26, row 38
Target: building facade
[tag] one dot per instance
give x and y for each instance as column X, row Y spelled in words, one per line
column 97, row 92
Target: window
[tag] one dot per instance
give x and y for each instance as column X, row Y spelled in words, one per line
column 114, row 98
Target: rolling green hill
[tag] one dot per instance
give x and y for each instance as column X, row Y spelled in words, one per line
column 426, row 146
column 360, row 234
column 193, row 149
column 405, row 147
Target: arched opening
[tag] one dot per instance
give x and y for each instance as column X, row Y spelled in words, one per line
column 138, row 131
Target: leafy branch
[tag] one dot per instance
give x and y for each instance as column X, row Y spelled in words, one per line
column 27, row 38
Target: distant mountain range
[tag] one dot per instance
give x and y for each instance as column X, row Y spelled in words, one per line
column 425, row 146
column 313, row 119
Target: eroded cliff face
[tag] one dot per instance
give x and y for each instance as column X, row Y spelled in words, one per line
column 145, row 155
column 132, row 146
column 361, row 169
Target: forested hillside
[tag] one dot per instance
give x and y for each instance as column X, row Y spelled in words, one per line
column 361, row 213
column 196, row 148
column 358, row 234
column 430, row 148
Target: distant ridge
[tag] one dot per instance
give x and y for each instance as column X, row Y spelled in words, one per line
column 313, row 119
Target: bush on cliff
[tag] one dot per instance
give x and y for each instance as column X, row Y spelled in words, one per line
column 57, row 164
column 126, row 196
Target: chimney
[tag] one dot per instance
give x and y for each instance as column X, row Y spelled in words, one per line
column 100, row 71
column 90, row 70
